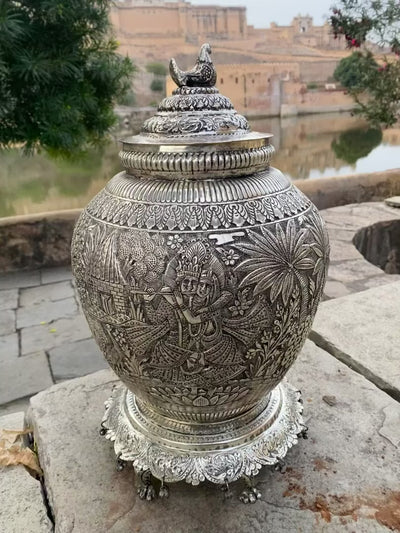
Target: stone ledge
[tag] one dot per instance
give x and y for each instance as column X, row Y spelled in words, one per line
column 363, row 331
column 22, row 508
column 344, row 478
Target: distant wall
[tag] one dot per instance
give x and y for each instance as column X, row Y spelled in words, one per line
column 35, row 241
column 351, row 189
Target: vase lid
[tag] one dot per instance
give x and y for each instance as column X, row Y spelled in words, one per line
column 196, row 132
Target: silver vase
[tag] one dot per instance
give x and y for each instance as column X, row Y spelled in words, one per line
column 200, row 269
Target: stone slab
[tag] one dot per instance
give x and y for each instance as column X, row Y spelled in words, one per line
column 47, row 336
column 47, row 311
column 353, row 270
column 8, row 299
column 20, row 405
column 52, row 275
column 335, row 289
column 378, row 281
column 343, row 251
column 344, row 478
column 51, row 291
column 16, row 280
column 21, row 502
column 363, row 330
column 393, row 201
column 76, row 359
column 9, row 348
column 24, row 376
column 7, row 322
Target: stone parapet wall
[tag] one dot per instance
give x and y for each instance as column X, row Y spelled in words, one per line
column 351, row 189
column 32, row 241
column 43, row 240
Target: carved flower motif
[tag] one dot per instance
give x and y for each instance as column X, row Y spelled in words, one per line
column 174, row 242
column 229, row 257
column 242, row 303
column 276, row 261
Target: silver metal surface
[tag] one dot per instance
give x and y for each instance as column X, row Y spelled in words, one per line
column 221, row 458
column 200, row 269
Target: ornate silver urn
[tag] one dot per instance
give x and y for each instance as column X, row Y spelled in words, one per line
column 200, row 269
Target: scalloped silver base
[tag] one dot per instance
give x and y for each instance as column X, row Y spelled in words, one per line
column 219, row 452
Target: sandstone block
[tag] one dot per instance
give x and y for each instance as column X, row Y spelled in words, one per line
column 76, row 359
column 16, row 280
column 53, row 275
column 8, row 299
column 7, row 322
column 46, row 311
column 363, row 330
column 9, row 346
column 21, row 503
column 24, row 376
column 344, row 478
column 47, row 336
column 51, row 291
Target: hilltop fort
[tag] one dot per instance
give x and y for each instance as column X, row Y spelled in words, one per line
column 273, row 70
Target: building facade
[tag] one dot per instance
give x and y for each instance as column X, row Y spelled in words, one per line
column 151, row 18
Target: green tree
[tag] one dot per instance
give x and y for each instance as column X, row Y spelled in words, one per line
column 354, row 71
column 60, row 74
column 159, row 69
column 365, row 23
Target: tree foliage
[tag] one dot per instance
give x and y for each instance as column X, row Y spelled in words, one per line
column 159, row 69
column 157, row 85
column 353, row 71
column 377, row 87
column 60, row 74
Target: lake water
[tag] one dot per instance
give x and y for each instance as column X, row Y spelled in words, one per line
column 307, row 147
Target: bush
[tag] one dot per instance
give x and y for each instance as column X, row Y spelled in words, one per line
column 128, row 99
column 157, row 68
column 375, row 89
column 157, row 85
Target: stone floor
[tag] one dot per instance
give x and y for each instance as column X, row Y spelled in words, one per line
column 44, row 338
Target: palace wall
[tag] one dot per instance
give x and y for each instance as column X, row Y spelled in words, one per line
column 179, row 19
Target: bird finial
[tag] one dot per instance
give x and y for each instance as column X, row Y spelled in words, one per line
column 202, row 75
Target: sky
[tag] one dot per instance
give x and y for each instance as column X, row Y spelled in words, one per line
column 261, row 13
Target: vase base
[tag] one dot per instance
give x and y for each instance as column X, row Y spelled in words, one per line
column 220, row 457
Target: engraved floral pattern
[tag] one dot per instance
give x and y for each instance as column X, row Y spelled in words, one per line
column 277, row 260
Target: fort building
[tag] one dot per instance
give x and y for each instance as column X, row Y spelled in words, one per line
column 263, row 70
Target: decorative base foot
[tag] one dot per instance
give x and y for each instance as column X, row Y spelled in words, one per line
column 146, row 491
column 120, row 464
column 303, row 433
column 250, row 495
column 164, row 491
column 221, row 453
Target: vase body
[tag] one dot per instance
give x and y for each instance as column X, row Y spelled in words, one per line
column 200, row 293
column 199, row 269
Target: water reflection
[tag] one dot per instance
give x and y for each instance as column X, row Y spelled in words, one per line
column 356, row 143
column 307, row 147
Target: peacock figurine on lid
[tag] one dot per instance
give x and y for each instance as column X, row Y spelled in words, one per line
column 200, row 268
